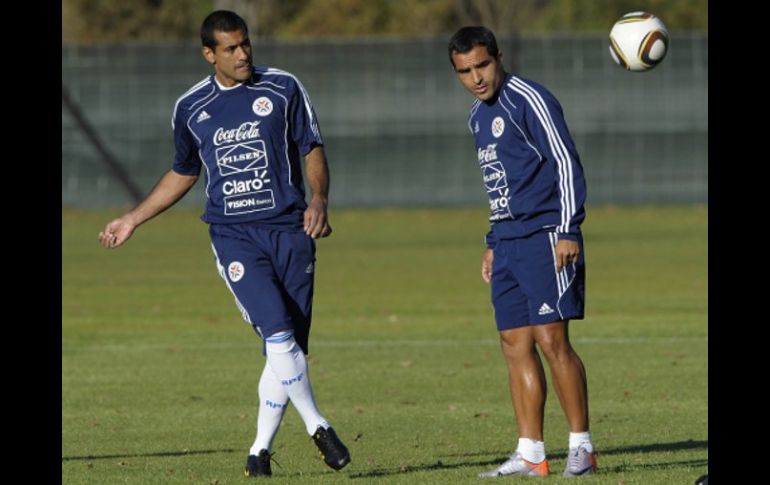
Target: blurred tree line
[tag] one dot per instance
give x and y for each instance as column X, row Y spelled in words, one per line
column 109, row 20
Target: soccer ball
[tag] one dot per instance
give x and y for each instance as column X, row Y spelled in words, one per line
column 638, row 41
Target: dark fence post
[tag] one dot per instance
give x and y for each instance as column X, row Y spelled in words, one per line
column 93, row 137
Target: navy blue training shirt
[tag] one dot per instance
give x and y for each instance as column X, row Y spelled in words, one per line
column 250, row 140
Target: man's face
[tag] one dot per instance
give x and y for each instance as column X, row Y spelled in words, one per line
column 480, row 73
column 231, row 57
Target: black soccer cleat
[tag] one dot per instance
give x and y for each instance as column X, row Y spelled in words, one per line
column 334, row 453
column 258, row 465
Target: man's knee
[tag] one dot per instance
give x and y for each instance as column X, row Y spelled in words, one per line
column 281, row 342
column 553, row 340
column 517, row 343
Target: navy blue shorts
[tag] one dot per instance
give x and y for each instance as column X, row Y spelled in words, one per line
column 527, row 290
column 270, row 273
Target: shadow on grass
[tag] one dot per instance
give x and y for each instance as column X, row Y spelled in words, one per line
column 676, row 446
column 630, row 467
column 651, row 448
column 147, row 455
column 626, row 467
column 439, row 465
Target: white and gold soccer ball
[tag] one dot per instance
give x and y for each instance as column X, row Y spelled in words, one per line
column 638, row 41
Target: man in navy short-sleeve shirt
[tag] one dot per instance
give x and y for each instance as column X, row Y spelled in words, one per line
column 246, row 128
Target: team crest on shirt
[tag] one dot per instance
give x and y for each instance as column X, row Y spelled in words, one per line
column 262, row 106
column 498, row 127
column 235, row 271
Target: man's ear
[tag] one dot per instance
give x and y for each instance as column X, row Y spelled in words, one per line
column 208, row 54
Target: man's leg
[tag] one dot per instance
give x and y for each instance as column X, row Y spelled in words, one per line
column 554, row 297
column 246, row 263
column 569, row 380
column 273, row 401
column 526, row 378
column 567, row 372
column 295, row 269
column 243, row 257
column 289, row 364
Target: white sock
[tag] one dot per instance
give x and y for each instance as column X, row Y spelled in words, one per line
column 581, row 439
column 273, row 402
column 531, row 450
column 290, row 366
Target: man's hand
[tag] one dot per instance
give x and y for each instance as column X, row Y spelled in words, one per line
column 486, row 265
column 316, row 221
column 117, row 232
column 567, row 252
column 170, row 188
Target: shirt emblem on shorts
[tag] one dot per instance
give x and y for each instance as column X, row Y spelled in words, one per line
column 310, row 268
column 498, row 127
column 235, row 271
column 262, row 106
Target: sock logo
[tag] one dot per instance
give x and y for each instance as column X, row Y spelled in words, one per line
column 288, row 382
column 275, row 405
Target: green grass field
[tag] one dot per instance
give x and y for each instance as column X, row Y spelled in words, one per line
column 159, row 372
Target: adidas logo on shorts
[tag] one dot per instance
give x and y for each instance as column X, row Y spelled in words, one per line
column 545, row 309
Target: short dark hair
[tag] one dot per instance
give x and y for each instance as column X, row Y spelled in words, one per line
column 222, row 21
column 467, row 38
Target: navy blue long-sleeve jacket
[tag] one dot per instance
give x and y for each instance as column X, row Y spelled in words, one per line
column 531, row 169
